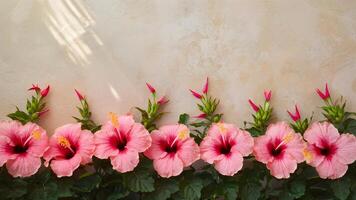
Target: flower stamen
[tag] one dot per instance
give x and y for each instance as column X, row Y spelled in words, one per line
column 64, row 142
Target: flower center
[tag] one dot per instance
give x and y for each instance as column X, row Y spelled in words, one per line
column 276, row 152
column 66, row 145
column 121, row 144
column 171, row 149
column 18, row 149
column 327, row 149
column 225, row 149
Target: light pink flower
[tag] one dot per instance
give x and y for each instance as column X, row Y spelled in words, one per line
column 21, row 147
column 172, row 149
column 69, row 148
column 224, row 146
column 329, row 151
column 281, row 149
column 121, row 140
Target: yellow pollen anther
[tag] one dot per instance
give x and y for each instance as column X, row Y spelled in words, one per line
column 36, row 134
column 63, row 142
column 114, row 119
column 183, row 134
column 307, row 155
column 222, row 128
column 287, row 138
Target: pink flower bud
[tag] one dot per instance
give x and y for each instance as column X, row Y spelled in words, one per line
column 35, row 88
column 42, row 112
column 44, row 92
column 197, row 95
column 152, row 89
column 80, row 96
column 206, row 86
column 268, row 95
column 254, row 106
column 201, row 116
column 295, row 117
column 162, row 100
column 325, row 95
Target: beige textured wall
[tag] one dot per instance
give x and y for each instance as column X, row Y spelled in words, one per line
column 108, row 49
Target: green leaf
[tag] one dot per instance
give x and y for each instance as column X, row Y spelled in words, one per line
column 48, row 191
column 87, row 183
column 164, row 190
column 250, row 191
column 341, row 187
column 297, row 188
column 20, row 116
column 14, row 189
column 183, row 118
column 192, row 190
column 350, row 126
column 139, row 181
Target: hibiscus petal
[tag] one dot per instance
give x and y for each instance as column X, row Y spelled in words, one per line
column 316, row 157
column 260, row 149
column 125, row 161
column 170, row 165
column 5, row 150
column 319, row 132
column 189, row 152
column 37, row 146
column 346, row 148
column 295, row 147
column 208, row 152
column 282, row 168
column 23, row 166
column 65, row 167
column 9, row 128
column 278, row 130
column 155, row 151
column 140, row 139
column 331, row 168
column 86, row 146
column 244, row 143
column 104, row 147
column 69, row 131
column 230, row 164
column 125, row 123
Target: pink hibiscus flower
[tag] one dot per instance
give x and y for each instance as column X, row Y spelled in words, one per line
column 21, row 147
column 70, row 146
column 281, row 149
column 172, row 149
column 224, row 146
column 121, row 140
column 329, row 151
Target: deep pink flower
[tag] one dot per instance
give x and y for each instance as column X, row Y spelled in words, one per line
column 45, row 91
column 121, row 140
column 196, row 95
column 21, row 147
column 281, row 149
column 151, row 88
column 80, row 96
column 70, row 146
column 224, row 146
column 329, row 151
column 206, row 86
column 172, row 149
column 35, row 88
column 295, row 117
column 163, row 100
column 267, row 94
column 253, row 105
column 325, row 95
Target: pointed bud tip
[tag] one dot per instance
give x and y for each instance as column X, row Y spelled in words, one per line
column 151, row 88
column 195, row 94
column 79, row 95
column 206, row 86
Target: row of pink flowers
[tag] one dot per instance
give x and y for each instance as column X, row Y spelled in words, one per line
column 172, row 149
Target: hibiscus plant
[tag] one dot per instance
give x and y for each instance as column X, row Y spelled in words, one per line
column 200, row 157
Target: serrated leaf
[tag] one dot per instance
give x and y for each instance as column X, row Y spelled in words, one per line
column 138, row 181
column 192, row 190
column 341, row 188
column 87, row 183
column 164, row 190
